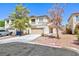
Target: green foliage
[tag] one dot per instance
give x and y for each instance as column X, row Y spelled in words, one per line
column 68, row 31
column 78, row 35
column 76, row 30
column 2, row 23
column 20, row 17
column 21, row 12
column 20, row 24
column 21, row 20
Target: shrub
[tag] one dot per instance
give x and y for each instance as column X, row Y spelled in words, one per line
column 78, row 35
column 76, row 30
column 68, row 31
column 2, row 23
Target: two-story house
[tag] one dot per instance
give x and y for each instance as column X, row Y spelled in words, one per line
column 38, row 25
column 73, row 21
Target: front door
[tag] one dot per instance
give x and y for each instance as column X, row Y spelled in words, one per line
column 51, row 30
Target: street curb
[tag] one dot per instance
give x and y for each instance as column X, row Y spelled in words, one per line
column 72, row 49
column 44, row 44
column 68, row 48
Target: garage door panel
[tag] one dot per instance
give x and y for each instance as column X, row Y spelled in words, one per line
column 37, row 31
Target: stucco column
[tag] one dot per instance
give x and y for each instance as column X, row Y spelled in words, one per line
column 73, row 30
column 30, row 30
column 73, row 25
column 5, row 24
column 46, row 29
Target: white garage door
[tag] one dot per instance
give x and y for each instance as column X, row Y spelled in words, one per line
column 37, row 31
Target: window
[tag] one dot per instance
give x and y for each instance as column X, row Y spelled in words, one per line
column 33, row 20
column 7, row 21
column 40, row 19
column 77, row 18
column 51, row 30
column 2, row 30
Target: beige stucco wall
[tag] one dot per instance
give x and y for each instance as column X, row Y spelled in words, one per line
column 46, row 30
column 72, row 23
column 42, row 25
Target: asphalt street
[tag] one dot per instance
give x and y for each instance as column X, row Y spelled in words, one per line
column 25, row 49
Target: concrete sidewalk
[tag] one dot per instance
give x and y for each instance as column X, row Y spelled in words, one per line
column 23, row 39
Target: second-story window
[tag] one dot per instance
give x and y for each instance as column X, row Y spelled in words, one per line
column 33, row 21
column 7, row 21
column 77, row 18
column 40, row 19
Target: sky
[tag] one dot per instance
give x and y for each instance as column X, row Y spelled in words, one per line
column 38, row 9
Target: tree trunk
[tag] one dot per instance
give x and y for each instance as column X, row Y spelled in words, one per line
column 28, row 31
column 57, row 33
column 20, row 32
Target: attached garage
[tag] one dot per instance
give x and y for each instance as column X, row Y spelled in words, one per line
column 37, row 31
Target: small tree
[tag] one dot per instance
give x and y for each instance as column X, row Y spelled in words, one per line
column 20, row 17
column 56, row 16
column 20, row 24
column 76, row 29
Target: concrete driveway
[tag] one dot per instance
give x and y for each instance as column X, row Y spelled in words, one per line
column 25, row 49
column 24, row 39
column 5, row 37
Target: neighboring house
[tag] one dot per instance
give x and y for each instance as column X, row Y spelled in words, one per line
column 8, row 23
column 73, row 21
column 1, row 28
column 39, row 25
